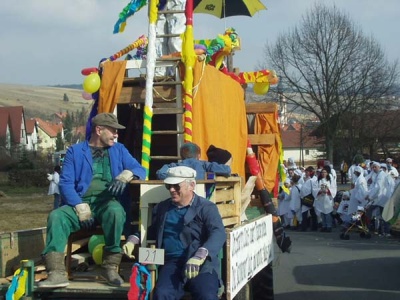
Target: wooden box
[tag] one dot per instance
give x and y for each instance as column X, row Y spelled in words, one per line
column 18, row 245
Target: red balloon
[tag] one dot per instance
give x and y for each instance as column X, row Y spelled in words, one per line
column 88, row 71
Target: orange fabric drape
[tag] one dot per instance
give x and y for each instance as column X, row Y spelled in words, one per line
column 268, row 155
column 111, row 85
column 219, row 115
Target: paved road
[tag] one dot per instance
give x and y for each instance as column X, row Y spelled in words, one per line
column 321, row 266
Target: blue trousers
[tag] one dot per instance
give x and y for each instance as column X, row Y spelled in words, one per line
column 171, row 283
column 326, row 220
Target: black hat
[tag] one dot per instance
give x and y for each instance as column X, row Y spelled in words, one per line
column 218, row 155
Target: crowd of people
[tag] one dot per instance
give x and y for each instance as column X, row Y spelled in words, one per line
column 309, row 198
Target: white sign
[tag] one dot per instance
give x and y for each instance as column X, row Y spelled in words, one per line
column 251, row 250
column 151, row 256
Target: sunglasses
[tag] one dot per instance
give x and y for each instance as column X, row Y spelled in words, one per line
column 176, row 187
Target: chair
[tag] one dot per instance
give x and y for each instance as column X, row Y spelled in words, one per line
column 79, row 239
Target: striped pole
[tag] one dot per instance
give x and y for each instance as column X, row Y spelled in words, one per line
column 148, row 104
column 189, row 59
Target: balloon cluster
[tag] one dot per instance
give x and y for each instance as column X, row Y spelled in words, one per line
column 92, row 82
column 96, row 244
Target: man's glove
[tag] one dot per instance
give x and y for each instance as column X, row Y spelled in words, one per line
column 194, row 263
column 118, row 185
column 130, row 246
column 84, row 215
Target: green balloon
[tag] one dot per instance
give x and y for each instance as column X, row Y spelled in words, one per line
column 94, row 241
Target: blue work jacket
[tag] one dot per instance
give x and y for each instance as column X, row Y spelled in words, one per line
column 77, row 170
column 203, row 227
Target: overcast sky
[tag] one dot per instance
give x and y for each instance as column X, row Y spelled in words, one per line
column 46, row 42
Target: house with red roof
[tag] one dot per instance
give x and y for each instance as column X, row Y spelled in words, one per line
column 32, row 134
column 12, row 128
column 300, row 145
column 47, row 134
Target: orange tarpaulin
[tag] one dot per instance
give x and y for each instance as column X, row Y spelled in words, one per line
column 268, row 155
column 111, row 85
column 219, row 115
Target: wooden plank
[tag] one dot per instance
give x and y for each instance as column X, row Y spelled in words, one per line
column 137, row 94
column 262, row 139
column 231, row 221
column 225, row 194
column 260, row 108
column 227, row 210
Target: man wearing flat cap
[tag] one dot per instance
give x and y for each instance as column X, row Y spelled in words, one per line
column 93, row 184
column 190, row 230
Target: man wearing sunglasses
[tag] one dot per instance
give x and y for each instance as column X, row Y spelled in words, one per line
column 190, row 230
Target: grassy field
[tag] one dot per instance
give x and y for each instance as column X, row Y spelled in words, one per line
column 22, row 209
column 41, row 100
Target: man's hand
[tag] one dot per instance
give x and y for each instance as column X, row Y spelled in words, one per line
column 84, row 215
column 130, row 246
column 118, row 185
column 193, row 264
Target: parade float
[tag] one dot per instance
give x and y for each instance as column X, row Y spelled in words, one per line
column 202, row 102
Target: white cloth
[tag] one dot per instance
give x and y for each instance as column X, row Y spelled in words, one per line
column 295, row 202
column 306, row 189
column 170, row 24
column 323, row 200
column 358, row 194
column 377, row 191
column 283, row 204
column 53, row 187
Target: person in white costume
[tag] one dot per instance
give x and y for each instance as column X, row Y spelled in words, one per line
column 324, row 192
column 359, row 192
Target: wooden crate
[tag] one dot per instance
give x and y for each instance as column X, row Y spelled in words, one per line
column 227, row 197
column 18, row 245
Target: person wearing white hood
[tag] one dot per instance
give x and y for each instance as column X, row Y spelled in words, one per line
column 308, row 213
column 377, row 191
column 359, row 192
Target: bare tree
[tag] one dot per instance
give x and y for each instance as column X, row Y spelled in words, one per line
column 329, row 67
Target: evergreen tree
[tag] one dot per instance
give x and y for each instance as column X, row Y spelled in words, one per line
column 65, row 99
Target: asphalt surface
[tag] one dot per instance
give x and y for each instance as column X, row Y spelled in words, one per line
column 321, row 266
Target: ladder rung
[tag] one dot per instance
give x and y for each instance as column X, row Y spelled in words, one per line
column 169, row 59
column 165, row 157
column 161, row 83
column 169, row 132
column 168, row 35
column 167, row 111
column 166, row 12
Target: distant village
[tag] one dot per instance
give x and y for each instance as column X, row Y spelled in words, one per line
column 43, row 136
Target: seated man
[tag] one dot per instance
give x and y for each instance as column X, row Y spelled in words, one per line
column 92, row 182
column 190, row 154
column 190, row 230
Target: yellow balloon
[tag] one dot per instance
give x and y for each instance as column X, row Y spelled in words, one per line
column 91, row 84
column 98, row 254
column 261, row 88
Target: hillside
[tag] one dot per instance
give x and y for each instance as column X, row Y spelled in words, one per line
column 42, row 101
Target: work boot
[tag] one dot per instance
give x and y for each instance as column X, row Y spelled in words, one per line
column 56, row 275
column 111, row 261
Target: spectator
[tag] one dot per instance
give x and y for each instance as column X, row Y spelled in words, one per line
column 93, row 185
column 53, row 187
column 324, row 192
column 308, row 213
column 344, row 168
column 190, row 230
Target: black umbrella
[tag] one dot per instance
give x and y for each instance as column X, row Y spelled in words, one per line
column 227, row 8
